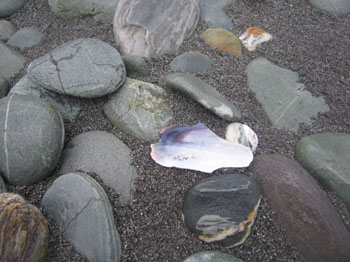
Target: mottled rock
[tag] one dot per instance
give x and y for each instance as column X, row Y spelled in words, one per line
column 31, row 139
column 11, row 61
column 212, row 256
column 155, row 27
column 222, row 208
column 242, row 134
column 82, row 211
column 85, row 67
column 4, row 86
column 302, row 208
column 7, row 29
column 139, row 109
column 332, row 6
column 26, row 37
column 223, row 40
column 284, row 100
column 327, row 157
column 192, row 62
column 7, row 7
column 104, row 154
column 24, row 234
column 3, row 187
column 135, row 65
column 204, row 94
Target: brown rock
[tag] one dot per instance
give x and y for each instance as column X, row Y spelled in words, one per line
column 223, row 40
column 303, row 208
column 23, row 230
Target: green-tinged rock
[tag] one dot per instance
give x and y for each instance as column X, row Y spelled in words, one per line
column 327, row 157
column 11, row 61
column 135, row 65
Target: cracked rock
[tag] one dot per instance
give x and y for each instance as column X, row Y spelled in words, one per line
column 82, row 211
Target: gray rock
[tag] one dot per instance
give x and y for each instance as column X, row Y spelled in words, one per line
column 221, row 4
column 26, row 37
column 135, row 65
column 7, row 29
column 26, row 87
column 212, row 256
column 332, row 6
column 139, row 109
column 204, row 94
column 222, row 208
column 82, row 211
column 283, row 99
column 215, row 17
column 7, row 7
column 32, row 141
column 11, row 62
column 155, row 27
column 192, row 62
column 104, row 154
column 85, row 67
column 3, row 187
column 302, row 208
column 4, row 86
column 101, row 10
column 327, row 157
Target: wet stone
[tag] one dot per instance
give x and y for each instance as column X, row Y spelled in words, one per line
column 26, row 37
column 222, row 209
column 192, row 62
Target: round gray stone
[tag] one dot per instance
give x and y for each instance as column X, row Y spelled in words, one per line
column 212, row 256
column 83, row 213
column 11, row 62
column 4, row 86
column 26, row 37
column 332, row 6
column 7, row 29
column 31, row 140
column 135, row 65
column 8, row 7
column 192, row 62
column 85, row 67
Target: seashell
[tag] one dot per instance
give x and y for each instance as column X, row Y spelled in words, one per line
column 242, row 134
column 254, row 36
column 198, row 148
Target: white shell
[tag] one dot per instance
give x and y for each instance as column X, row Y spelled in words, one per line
column 251, row 40
column 241, row 134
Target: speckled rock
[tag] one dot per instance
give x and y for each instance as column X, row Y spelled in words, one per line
column 204, row 94
column 302, row 208
column 31, row 140
column 26, row 37
column 139, row 109
column 7, row 7
column 154, row 28
column 11, row 61
column 7, row 29
column 135, row 65
column 222, row 208
column 192, row 62
column 332, row 6
column 24, row 235
column 212, row 256
column 4, row 86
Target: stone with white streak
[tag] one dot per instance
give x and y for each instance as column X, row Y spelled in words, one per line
column 242, row 134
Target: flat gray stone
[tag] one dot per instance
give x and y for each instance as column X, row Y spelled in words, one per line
column 7, row 7
column 4, row 86
column 104, row 154
column 192, row 62
column 139, row 109
column 222, row 209
column 135, row 65
column 155, row 27
column 7, row 29
column 327, row 158
column 32, row 141
column 215, row 17
column 82, row 211
column 311, row 222
column 212, row 256
column 26, row 37
column 283, row 99
column 204, row 94
column 11, row 61
column 85, row 67
column 101, row 10
column 332, row 6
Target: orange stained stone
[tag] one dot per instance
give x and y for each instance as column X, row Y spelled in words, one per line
column 255, row 31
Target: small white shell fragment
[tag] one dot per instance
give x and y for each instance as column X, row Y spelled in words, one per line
column 242, row 134
column 254, row 36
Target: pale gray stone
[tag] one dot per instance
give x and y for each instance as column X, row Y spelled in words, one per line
column 7, row 29
column 155, row 27
column 212, row 256
column 332, row 6
column 4, row 86
column 204, row 94
column 7, row 7
column 26, row 37
column 135, row 65
column 83, row 213
column 139, row 109
column 215, row 17
column 192, row 62
column 11, row 61
column 284, row 100
column 85, row 67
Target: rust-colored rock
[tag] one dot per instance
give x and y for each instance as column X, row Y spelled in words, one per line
column 23, row 230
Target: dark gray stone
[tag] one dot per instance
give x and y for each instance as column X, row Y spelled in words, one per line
column 222, row 208
column 26, row 37
column 85, row 67
column 204, row 94
column 327, row 158
column 104, row 154
column 32, row 141
column 82, row 211
column 332, row 6
column 4, row 86
column 135, row 65
column 7, row 29
column 215, row 17
column 192, row 62
column 7, row 7
column 283, row 99
column 212, row 256
column 302, row 208
column 11, row 62
column 3, row 187
column 155, row 27
column 139, row 109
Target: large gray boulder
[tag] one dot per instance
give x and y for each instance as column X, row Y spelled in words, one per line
column 83, row 213
column 11, row 61
column 154, row 27
column 332, row 6
column 32, row 141
column 85, row 67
